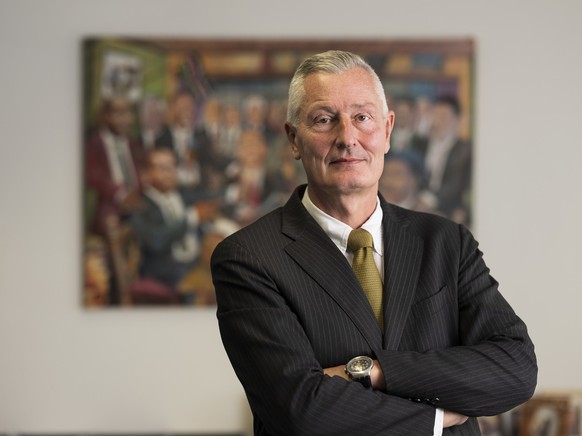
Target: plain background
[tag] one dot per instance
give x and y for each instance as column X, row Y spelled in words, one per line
column 66, row 369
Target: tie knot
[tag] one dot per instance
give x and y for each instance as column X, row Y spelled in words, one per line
column 359, row 238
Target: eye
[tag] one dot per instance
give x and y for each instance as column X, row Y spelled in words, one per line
column 362, row 117
column 323, row 120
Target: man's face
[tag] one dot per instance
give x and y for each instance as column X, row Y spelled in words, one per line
column 398, row 181
column 162, row 172
column 232, row 116
column 252, row 149
column 405, row 114
column 212, row 111
column 120, row 118
column 342, row 134
column 152, row 115
column 444, row 121
column 183, row 111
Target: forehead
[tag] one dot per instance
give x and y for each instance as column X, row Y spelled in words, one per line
column 161, row 158
column 354, row 87
column 183, row 100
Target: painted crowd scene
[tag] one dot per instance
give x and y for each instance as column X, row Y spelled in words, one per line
column 184, row 143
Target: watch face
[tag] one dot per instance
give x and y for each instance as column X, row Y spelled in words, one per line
column 359, row 365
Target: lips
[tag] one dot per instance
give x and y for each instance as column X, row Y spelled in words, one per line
column 346, row 161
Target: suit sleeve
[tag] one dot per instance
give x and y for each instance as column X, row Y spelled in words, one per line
column 156, row 235
column 492, row 367
column 456, row 179
column 97, row 173
column 274, row 360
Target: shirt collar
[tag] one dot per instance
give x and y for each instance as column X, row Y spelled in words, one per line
column 339, row 232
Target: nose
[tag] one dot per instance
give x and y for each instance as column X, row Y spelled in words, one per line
column 345, row 133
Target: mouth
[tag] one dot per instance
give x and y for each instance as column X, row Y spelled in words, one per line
column 346, row 161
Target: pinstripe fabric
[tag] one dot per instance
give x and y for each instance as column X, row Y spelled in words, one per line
column 294, row 307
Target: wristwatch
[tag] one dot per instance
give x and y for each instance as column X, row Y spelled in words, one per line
column 359, row 369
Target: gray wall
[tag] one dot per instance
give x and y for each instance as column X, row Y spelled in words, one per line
column 66, row 369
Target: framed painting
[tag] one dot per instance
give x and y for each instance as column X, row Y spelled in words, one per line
column 490, row 425
column 184, row 143
column 547, row 415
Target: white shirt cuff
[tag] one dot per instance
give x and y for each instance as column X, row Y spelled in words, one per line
column 438, row 422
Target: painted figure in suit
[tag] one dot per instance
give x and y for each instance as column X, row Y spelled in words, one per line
column 446, row 346
column 402, row 178
column 195, row 147
column 112, row 163
column 404, row 133
column 447, row 160
column 254, row 189
column 168, row 226
column 182, row 137
column 151, row 121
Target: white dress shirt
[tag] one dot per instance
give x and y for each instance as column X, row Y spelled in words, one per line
column 436, row 159
column 339, row 232
column 116, row 149
column 173, row 210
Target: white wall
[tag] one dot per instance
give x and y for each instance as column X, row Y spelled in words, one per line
column 65, row 369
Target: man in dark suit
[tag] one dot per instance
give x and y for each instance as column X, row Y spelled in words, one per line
column 195, row 147
column 168, row 225
column 443, row 348
column 447, row 160
column 112, row 163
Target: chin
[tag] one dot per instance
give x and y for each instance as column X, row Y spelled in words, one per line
column 359, row 183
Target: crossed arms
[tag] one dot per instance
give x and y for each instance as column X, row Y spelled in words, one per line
column 463, row 349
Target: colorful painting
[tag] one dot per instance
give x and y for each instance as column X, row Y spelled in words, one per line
column 184, row 143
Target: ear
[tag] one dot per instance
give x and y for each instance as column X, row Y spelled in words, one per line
column 389, row 127
column 292, row 137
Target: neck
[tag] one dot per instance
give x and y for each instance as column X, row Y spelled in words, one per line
column 353, row 209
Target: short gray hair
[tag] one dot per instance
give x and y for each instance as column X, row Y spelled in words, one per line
column 334, row 62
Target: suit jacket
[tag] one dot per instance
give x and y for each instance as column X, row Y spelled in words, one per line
column 156, row 237
column 99, row 178
column 456, row 176
column 289, row 305
column 202, row 148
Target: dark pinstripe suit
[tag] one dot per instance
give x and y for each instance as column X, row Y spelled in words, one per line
column 289, row 305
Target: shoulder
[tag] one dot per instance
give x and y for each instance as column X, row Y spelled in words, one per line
column 256, row 244
column 94, row 141
column 261, row 230
column 427, row 226
column 415, row 219
column 282, row 224
column 440, row 239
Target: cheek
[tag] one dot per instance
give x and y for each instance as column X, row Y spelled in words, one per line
column 309, row 149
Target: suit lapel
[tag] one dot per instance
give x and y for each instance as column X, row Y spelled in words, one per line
column 402, row 259
column 319, row 257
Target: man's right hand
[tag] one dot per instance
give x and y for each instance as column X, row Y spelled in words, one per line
column 451, row 419
column 208, row 209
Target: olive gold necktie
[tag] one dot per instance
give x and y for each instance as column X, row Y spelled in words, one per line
column 360, row 242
